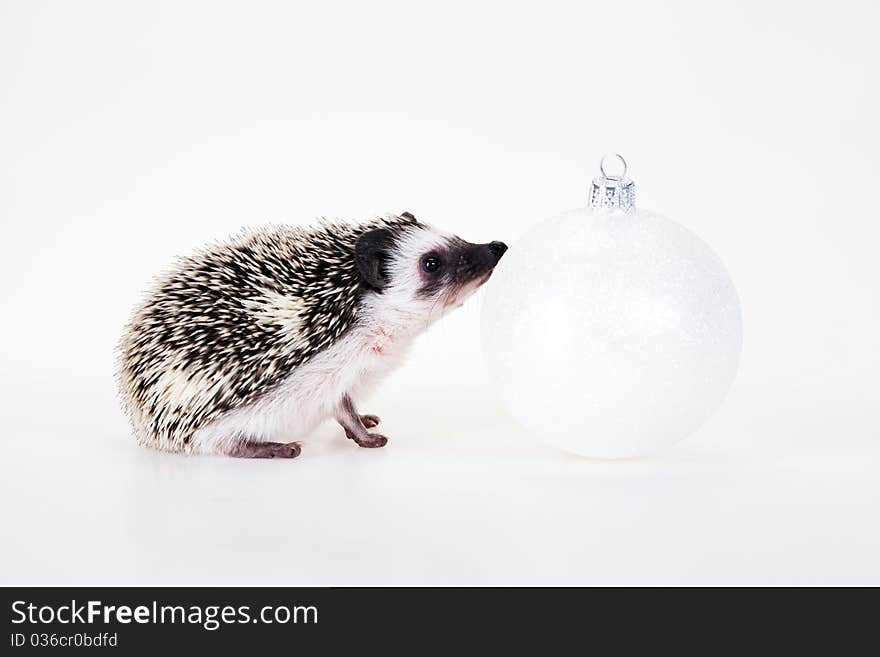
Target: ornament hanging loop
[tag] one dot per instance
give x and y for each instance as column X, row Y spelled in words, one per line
column 620, row 159
column 611, row 193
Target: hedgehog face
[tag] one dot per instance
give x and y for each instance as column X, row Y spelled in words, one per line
column 424, row 270
column 453, row 269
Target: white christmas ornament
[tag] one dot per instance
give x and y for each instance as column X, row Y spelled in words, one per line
column 611, row 331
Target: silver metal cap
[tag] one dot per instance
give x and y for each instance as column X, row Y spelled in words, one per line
column 612, row 192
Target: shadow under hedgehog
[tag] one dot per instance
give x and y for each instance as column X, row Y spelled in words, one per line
column 255, row 341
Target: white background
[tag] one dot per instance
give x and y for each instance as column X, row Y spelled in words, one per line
column 131, row 132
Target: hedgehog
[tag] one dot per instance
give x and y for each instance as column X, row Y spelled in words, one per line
column 246, row 346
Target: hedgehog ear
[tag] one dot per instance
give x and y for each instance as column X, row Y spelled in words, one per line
column 371, row 254
column 408, row 215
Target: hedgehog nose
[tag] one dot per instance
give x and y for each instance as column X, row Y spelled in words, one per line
column 497, row 249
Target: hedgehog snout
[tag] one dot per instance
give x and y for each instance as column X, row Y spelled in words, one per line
column 497, row 249
column 477, row 261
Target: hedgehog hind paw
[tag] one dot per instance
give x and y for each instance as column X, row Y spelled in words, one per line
column 256, row 450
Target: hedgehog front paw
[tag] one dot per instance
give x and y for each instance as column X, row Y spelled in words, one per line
column 368, row 439
column 370, row 421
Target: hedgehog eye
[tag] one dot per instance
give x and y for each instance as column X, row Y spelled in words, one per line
column 431, row 264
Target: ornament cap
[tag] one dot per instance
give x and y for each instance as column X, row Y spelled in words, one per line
column 612, row 192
